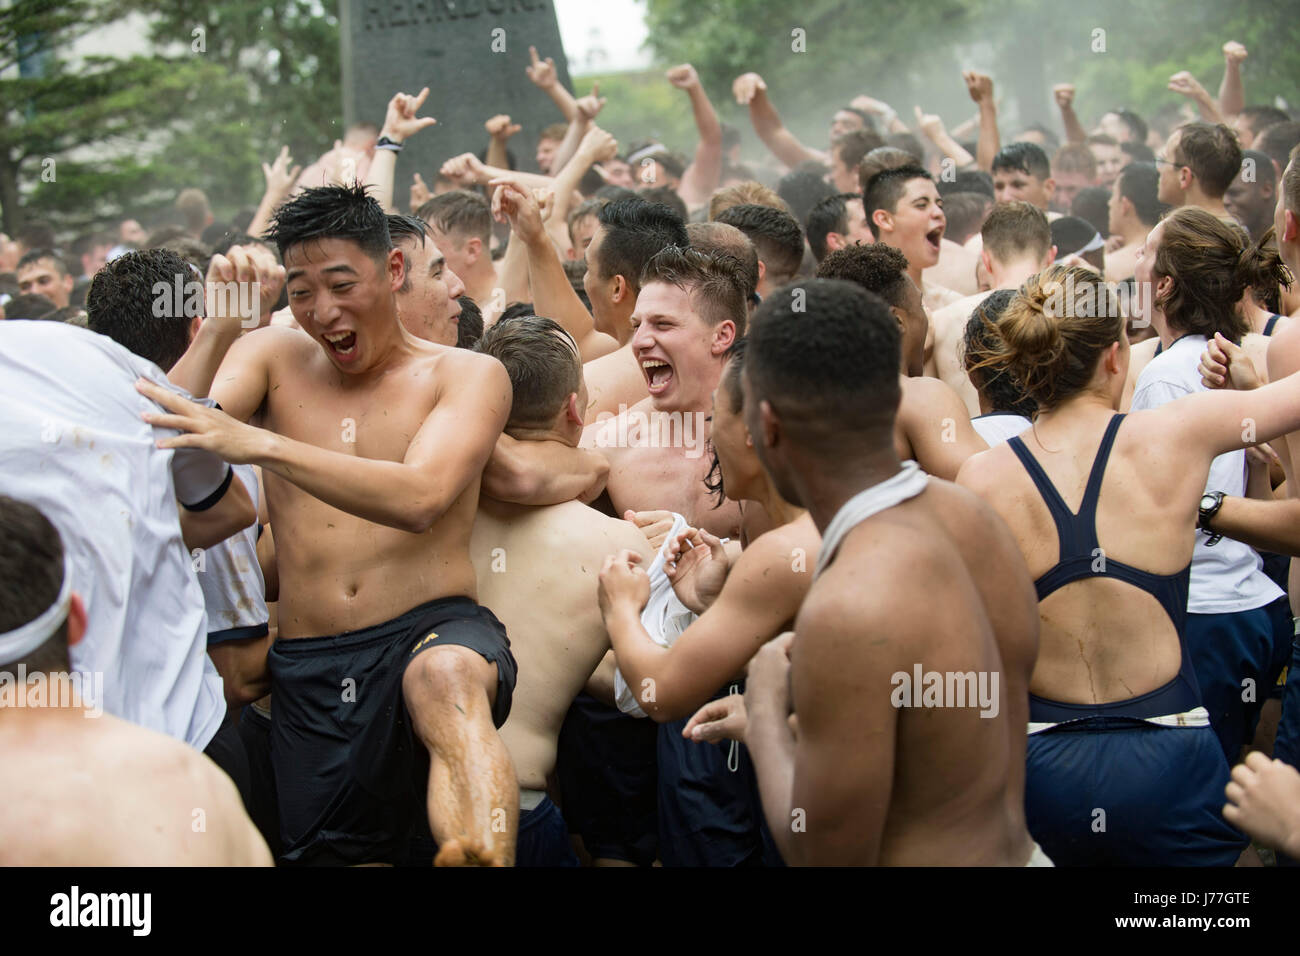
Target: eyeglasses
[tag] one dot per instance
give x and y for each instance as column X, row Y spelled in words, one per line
column 1161, row 161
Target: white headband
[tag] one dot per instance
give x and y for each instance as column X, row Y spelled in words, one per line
column 17, row 644
column 1095, row 243
column 654, row 149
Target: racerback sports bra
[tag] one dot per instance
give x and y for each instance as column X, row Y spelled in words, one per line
column 1079, row 554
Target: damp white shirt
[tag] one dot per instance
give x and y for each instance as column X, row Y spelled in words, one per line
column 1229, row 576
column 74, row 445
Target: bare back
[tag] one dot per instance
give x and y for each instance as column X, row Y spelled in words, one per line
column 1103, row 639
column 537, row 571
column 934, row 583
column 103, row 792
column 949, row 324
column 339, row 572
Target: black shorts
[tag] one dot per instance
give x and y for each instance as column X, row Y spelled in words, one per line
column 607, row 769
column 351, row 776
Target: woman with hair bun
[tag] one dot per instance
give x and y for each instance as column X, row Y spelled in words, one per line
column 1196, row 271
column 1123, row 767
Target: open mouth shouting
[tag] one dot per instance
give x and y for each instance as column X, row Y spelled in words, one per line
column 933, row 238
column 658, row 375
column 342, row 346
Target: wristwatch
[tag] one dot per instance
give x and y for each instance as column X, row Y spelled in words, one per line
column 385, row 143
column 1211, row 502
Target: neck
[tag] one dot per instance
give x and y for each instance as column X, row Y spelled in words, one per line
column 542, row 434
column 1214, row 207
column 1092, row 403
column 1134, row 232
column 914, row 273
column 481, row 283
column 1013, row 275
column 826, row 489
column 780, row 510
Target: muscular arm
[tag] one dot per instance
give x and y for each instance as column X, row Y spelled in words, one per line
column 232, row 513
column 543, row 472
column 1264, row 525
column 770, row 129
column 938, row 427
column 705, row 171
column 760, row 599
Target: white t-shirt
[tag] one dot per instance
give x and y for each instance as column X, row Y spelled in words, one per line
column 234, row 590
column 1227, row 577
column 73, row 444
column 997, row 427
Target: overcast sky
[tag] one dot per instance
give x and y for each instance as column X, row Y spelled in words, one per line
column 614, row 27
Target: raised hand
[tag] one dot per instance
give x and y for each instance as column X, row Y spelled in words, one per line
column 280, row 175
column 979, row 86
column 599, row 145
column 541, row 72
column 746, row 86
column 401, row 122
column 420, row 193
column 518, row 206
column 464, row 170
column 500, row 127
column 1183, row 82
column 929, row 124
column 683, row 77
column 1234, row 52
column 1063, row 93
column 590, row 106
column 229, row 275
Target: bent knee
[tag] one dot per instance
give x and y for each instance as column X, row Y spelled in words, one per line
column 449, row 676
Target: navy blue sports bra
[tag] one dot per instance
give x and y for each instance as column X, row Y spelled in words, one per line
column 1079, row 555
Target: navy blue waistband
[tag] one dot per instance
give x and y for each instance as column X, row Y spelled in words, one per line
column 1176, row 697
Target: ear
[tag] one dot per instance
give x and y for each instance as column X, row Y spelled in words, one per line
column 622, row 290
column 1112, row 359
column 1051, row 256
column 835, row 241
column 987, row 260
column 194, row 326
column 898, row 317
column 1290, row 226
column 762, row 271
column 396, row 266
column 723, row 335
column 1049, row 187
column 572, row 413
column 473, row 249
column 76, row 619
column 1185, row 177
column 884, row 221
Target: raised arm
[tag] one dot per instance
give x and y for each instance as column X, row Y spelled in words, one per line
column 544, row 76
column 887, row 115
column 760, row 598
column 499, row 130
column 931, row 127
column 597, row 146
column 553, row 294
column 468, row 170
column 750, row 90
column 1063, row 93
column 586, row 108
column 280, row 175
column 1232, row 95
column 1184, row 83
column 445, row 456
column 400, row 123
column 705, row 171
column 980, row 88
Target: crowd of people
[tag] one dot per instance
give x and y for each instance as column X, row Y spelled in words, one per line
column 921, row 497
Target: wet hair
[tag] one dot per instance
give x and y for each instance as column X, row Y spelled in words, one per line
column 730, row 385
column 1016, row 230
column 885, row 189
column 827, row 361
column 407, row 229
column 609, row 193
column 634, row 230
column 126, row 298
column 968, row 181
column 881, row 159
column 965, row 213
column 543, row 364
column 718, row 238
column 828, row 215
column 665, row 196
column 1137, row 127
column 1138, row 152
column 979, row 344
column 33, row 256
column 459, row 213
column 191, row 250
column 588, row 207
column 1075, row 158
column 876, row 267
column 1210, row 150
column 855, row 144
column 1259, row 118
column 1277, row 141
column 908, row 143
column 775, row 235
column 1212, row 265
column 1139, row 183
column 802, row 190
column 713, row 282
column 742, row 194
column 31, row 577
column 1269, row 293
column 332, row 212
column 1092, row 205
column 469, row 325
column 1050, row 343
column 30, row 305
column 1071, row 235
column 1028, row 158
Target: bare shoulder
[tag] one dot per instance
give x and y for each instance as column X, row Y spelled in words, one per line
column 955, row 315
column 609, row 535
column 1284, row 350
column 985, row 470
column 926, row 395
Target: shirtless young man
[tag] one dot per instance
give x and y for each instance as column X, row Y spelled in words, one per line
column 521, row 553
column 428, row 300
column 904, row 210
column 1017, row 242
column 820, row 393
column 1133, row 211
column 630, row 232
column 932, row 426
column 371, row 445
column 147, row 786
